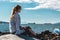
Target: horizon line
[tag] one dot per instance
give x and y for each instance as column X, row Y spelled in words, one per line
column 34, row 22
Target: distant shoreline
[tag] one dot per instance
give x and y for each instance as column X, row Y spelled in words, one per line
column 31, row 23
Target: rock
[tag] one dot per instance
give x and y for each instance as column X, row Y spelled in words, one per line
column 10, row 37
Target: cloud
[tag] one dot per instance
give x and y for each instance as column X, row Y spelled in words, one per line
column 51, row 4
column 21, row 1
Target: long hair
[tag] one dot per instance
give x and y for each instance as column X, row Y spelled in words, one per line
column 15, row 9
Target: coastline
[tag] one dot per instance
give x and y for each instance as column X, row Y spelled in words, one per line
column 45, row 35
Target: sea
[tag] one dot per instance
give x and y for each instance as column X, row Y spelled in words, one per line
column 37, row 28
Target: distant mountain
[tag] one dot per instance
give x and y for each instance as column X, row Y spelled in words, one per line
column 3, row 22
column 35, row 23
column 58, row 23
column 31, row 23
column 47, row 23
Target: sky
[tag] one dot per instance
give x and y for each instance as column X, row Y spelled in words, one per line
column 40, row 11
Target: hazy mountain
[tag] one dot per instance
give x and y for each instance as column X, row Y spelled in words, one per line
column 3, row 22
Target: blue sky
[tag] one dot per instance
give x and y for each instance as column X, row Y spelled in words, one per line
column 29, row 14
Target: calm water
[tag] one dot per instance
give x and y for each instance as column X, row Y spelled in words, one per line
column 35, row 27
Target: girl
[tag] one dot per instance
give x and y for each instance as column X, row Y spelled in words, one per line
column 15, row 21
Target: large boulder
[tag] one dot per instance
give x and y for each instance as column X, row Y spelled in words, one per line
column 10, row 37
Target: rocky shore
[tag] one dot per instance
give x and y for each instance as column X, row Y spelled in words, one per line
column 45, row 35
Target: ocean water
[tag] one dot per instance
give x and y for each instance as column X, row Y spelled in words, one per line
column 38, row 28
column 4, row 27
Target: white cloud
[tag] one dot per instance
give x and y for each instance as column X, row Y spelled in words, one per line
column 39, row 1
column 52, row 4
column 28, row 1
column 21, row 1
